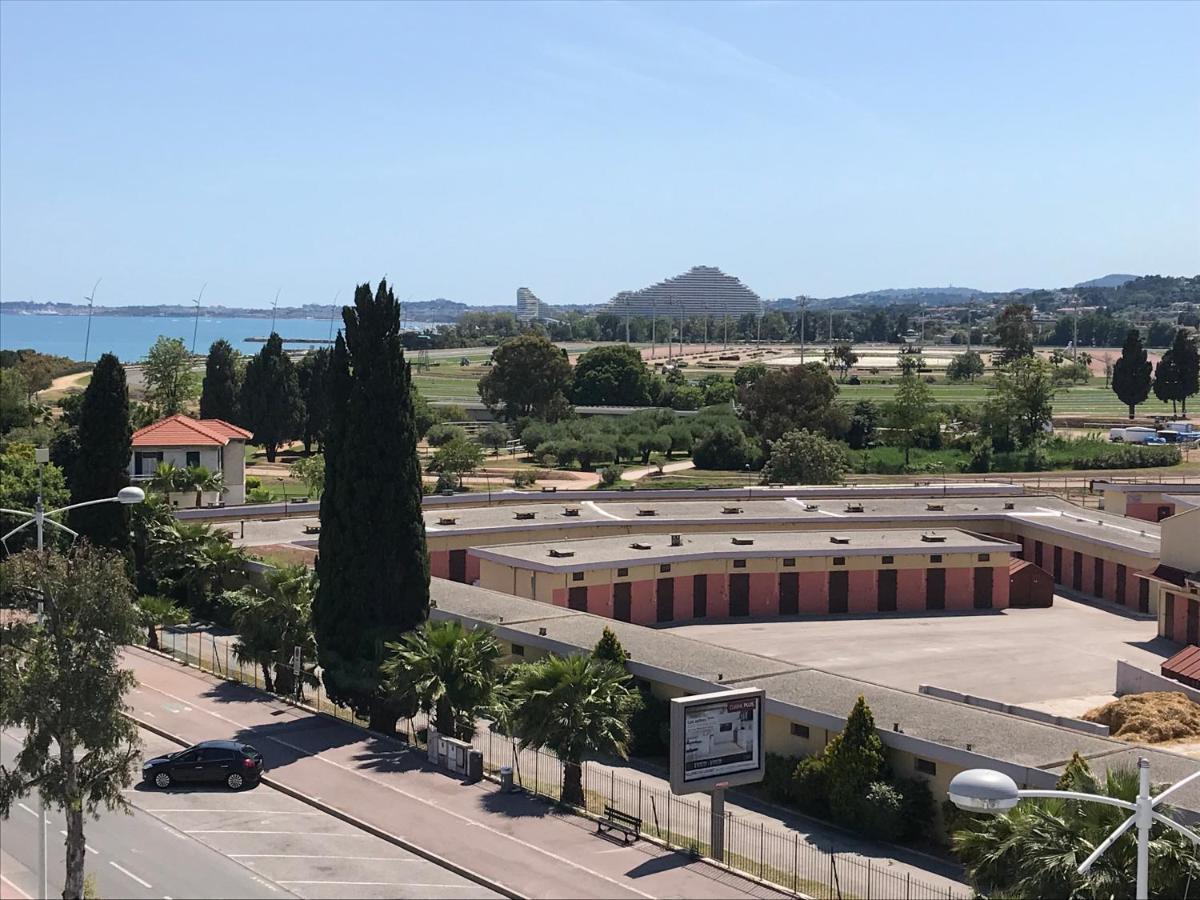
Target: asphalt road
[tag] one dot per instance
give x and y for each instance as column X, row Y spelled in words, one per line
column 136, row 856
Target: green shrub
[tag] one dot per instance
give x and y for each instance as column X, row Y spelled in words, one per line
column 880, row 812
column 523, row 478
column 919, row 811
column 811, row 789
column 610, row 475
column 253, row 482
column 779, row 781
column 259, row 495
column 650, row 725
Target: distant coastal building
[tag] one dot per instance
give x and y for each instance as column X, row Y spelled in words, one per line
column 527, row 305
column 700, row 291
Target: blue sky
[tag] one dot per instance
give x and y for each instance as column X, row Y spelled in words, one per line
column 581, row 149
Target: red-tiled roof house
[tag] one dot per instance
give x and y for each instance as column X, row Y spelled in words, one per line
column 184, row 441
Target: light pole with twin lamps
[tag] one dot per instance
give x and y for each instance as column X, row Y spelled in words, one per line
column 989, row 791
column 38, row 517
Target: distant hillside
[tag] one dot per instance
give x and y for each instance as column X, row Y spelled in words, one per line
column 929, row 296
column 1108, row 281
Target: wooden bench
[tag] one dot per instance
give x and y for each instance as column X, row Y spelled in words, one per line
column 615, row 820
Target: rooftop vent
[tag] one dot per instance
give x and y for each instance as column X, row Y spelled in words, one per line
column 637, row 546
column 935, row 507
column 447, row 520
column 647, row 512
column 838, row 539
column 730, row 510
column 854, row 507
column 931, row 537
column 559, row 554
column 677, row 540
column 525, row 515
column 542, row 631
column 743, row 542
column 570, row 510
column 1008, row 504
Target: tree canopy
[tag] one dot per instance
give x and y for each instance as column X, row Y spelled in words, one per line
column 312, row 374
column 171, row 385
column 613, row 375
column 271, row 404
column 529, row 377
column 794, row 397
column 1014, row 332
column 104, row 441
column 1131, row 374
column 372, row 563
column 61, row 682
column 222, row 381
column 802, row 457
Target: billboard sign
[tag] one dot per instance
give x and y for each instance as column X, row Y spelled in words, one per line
column 717, row 740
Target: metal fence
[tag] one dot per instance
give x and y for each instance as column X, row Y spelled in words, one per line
column 752, row 846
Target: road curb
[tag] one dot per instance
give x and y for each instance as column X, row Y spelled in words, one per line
column 396, row 840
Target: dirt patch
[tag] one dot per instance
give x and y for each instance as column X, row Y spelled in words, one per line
column 285, row 554
column 1153, row 718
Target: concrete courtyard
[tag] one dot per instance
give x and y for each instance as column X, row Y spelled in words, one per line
column 1061, row 659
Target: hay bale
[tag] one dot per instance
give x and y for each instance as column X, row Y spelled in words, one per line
column 1152, row 718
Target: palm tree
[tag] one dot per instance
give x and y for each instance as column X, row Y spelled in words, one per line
column 1035, row 849
column 272, row 621
column 201, row 480
column 574, row 706
column 444, row 667
column 169, row 479
column 193, row 559
column 156, row 611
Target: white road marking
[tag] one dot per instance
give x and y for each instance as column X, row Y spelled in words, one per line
column 435, row 884
column 311, row 856
column 15, row 888
column 126, row 872
column 248, row 812
column 310, row 833
column 150, row 714
column 464, row 819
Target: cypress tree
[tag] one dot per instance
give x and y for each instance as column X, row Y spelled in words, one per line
column 372, row 563
column 1131, row 374
column 313, row 372
column 271, row 405
column 1167, row 380
column 105, row 448
column 219, row 394
column 1187, row 363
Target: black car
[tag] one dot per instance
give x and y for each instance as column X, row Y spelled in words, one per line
column 232, row 763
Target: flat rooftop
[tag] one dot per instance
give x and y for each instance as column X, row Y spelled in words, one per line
column 644, row 549
column 816, row 512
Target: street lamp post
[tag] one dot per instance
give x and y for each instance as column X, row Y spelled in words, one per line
column 988, row 791
column 38, row 518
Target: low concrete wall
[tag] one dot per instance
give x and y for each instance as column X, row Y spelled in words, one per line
column 1013, row 710
column 1132, row 679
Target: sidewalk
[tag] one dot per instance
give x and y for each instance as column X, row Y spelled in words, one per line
column 514, row 840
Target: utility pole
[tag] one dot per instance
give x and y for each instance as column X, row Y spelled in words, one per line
column 706, row 332
column 91, row 299
column 333, row 314
column 653, row 323
column 831, row 326
column 726, row 331
column 196, row 324
column 970, row 323
column 802, row 302
column 627, row 326
column 1075, row 332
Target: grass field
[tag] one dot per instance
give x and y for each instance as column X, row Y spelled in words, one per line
column 1081, row 400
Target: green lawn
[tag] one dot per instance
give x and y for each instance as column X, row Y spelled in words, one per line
column 444, row 383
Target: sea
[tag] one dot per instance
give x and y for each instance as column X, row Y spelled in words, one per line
column 130, row 337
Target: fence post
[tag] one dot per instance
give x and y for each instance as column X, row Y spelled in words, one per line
column 908, row 886
column 795, row 862
column 612, row 788
column 670, row 797
column 868, row 879
column 536, row 760
column 762, row 847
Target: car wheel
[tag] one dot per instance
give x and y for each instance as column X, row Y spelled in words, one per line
column 162, row 780
column 235, row 781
